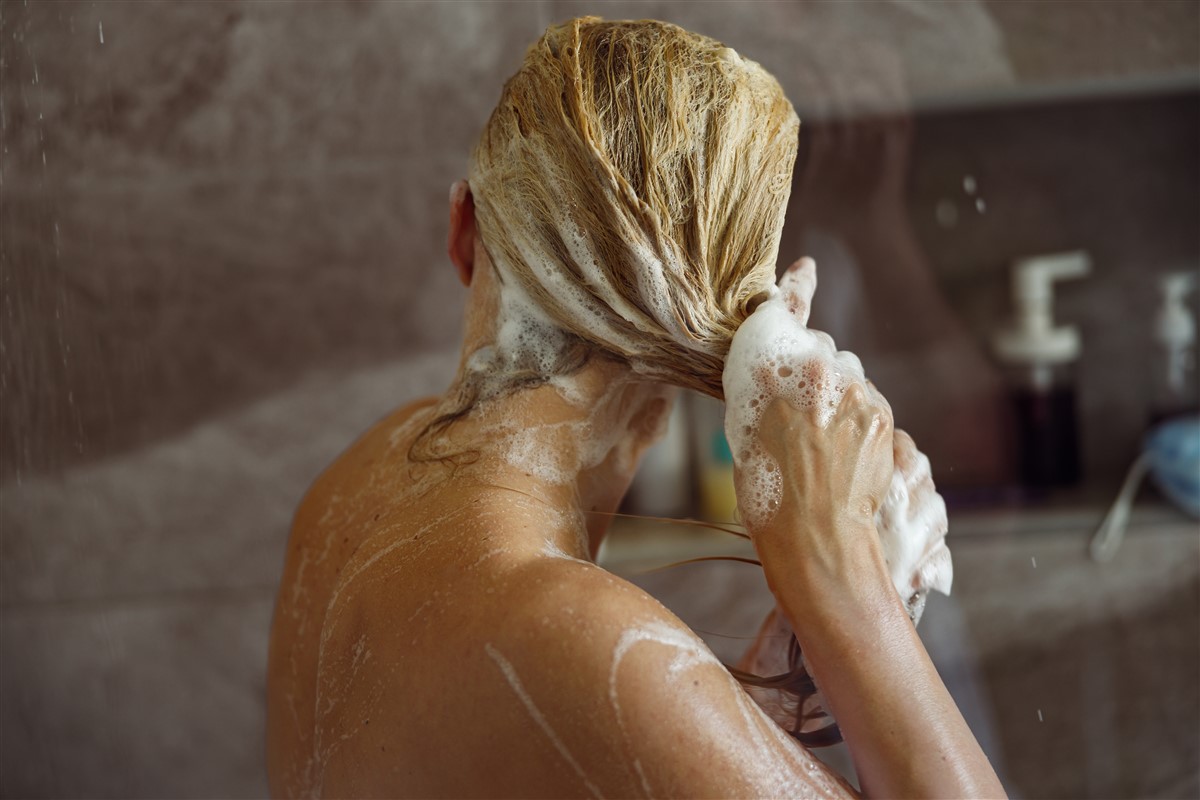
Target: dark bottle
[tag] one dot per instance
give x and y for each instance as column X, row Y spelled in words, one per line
column 1048, row 438
column 1040, row 357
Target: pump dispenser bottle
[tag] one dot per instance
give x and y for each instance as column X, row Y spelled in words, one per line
column 1175, row 391
column 1040, row 359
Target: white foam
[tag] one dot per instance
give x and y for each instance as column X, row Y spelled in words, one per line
column 525, row 336
column 912, row 527
column 510, row 674
column 750, row 736
column 551, row 550
column 691, row 653
column 582, row 254
column 526, row 449
column 527, row 341
column 567, row 292
column 774, row 354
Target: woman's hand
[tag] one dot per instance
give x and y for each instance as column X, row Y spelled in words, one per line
column 812, row 441
column 834, row 480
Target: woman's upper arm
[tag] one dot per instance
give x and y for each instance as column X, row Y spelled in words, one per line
column 676, row 721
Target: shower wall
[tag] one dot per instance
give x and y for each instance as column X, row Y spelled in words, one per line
column 221, row 238
column 206, row 200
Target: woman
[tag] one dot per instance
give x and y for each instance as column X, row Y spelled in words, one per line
column 442, row 628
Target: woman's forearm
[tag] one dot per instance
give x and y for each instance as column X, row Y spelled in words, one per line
column 904, row 731
column 822, row 556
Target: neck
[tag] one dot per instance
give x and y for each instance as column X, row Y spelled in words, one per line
column 572, row 444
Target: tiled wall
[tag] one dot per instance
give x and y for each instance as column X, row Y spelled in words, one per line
column 221, row 231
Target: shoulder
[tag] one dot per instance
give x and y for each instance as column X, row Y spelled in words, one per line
column 574, row 682
column 660, row 714
column 378, row 442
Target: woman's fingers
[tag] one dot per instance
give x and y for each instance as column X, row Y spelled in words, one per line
column 878, row 398
column 911, row 463
column 905, row 450
column 797, row 285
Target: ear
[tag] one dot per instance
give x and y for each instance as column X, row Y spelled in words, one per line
column 460, row 244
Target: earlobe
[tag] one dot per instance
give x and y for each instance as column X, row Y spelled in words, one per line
column 460, row 244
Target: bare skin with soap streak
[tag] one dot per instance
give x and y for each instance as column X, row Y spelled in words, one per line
column 476, row 616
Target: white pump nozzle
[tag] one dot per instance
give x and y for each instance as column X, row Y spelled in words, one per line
column 1175, row 326
column 1032, row 337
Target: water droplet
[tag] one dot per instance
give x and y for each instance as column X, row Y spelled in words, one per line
column 1040, row 719
column 101, row 25
column 969, row 184
column 1033, row 561
column 946, row 213
column 980, row 206
column 785, row 372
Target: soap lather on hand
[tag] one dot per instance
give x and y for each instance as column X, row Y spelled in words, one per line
column 774, row 354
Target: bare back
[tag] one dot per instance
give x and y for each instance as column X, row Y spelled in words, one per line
column 380, row 595
column 449, row 646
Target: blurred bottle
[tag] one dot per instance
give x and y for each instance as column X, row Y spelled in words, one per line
column 714, row 461
column 1040, row 360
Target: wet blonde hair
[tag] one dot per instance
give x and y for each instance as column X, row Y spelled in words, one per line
column 633, row 180
column 632, row 183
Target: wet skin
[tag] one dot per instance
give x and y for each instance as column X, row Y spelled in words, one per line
column 441, row 630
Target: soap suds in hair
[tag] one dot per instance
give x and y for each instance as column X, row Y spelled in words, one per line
column 528, row 344
column 643, row 234
column 526, row 341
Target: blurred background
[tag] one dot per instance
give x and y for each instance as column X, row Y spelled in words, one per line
column 222, row 232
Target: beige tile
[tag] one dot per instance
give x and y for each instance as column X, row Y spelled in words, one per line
column 128, row 700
